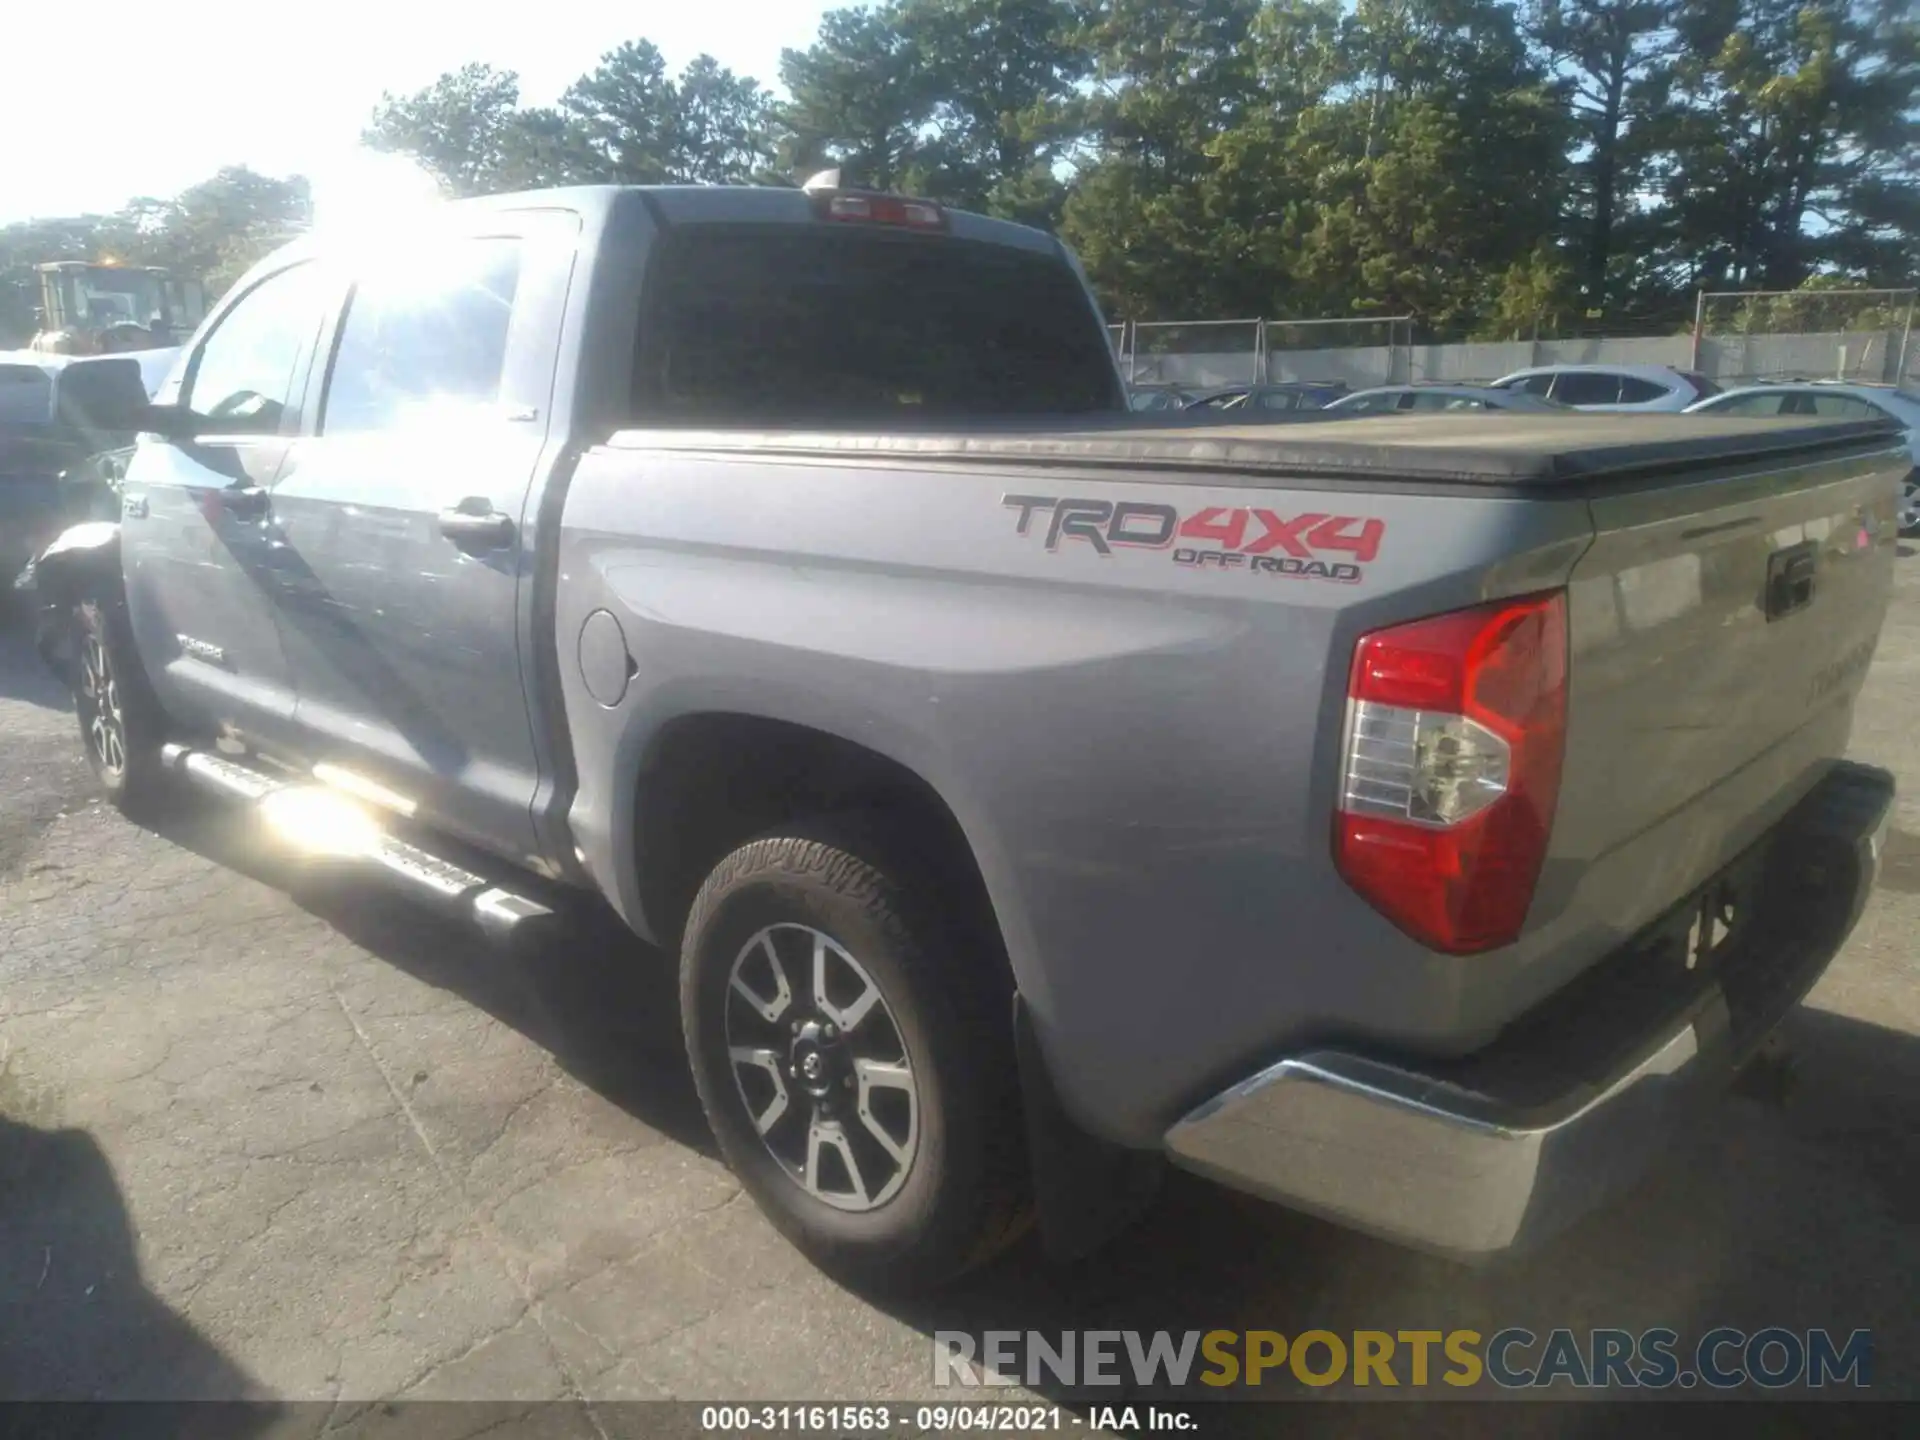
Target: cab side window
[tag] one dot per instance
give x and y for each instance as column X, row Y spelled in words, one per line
column 1586, row 387
column 425, row 337
column 1372, row 404
column 1636, row 391
column 242, row 380
column 1761, row 404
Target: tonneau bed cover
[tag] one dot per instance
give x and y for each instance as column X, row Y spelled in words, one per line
column 1501, row 451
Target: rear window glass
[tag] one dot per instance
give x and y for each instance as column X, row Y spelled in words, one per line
column 26, row 395
column 760, row 324
column 1843, row 407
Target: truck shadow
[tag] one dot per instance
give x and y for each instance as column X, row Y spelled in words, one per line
column 76, row 1320
column 1798, row 1205
column 605, row 1005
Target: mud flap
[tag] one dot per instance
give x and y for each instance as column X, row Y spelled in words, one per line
column 1087, row 1190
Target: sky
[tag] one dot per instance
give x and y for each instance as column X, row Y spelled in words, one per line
column 287, row 89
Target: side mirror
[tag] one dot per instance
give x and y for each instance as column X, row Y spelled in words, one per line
column 102, row 398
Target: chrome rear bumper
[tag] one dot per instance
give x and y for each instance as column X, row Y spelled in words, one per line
column 1502, row 1149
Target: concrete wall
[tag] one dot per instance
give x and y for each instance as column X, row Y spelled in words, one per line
column 1359, row 365
column 1856, row 355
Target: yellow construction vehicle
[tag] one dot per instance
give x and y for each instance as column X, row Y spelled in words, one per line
column 105, row 308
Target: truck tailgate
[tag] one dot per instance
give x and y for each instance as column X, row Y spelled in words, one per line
column 1720, row 629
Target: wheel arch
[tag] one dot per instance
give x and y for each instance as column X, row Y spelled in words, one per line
column 709, row 781
column 79, row 555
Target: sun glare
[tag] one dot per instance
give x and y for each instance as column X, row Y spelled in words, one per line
column 316, row 822
column 362, row 189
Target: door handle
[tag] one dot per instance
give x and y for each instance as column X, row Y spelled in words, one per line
column 474, row 524
column 1790, row 579
column 245, row 502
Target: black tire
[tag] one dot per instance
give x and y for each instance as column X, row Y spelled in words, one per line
column 122, row 726
column 942, row 996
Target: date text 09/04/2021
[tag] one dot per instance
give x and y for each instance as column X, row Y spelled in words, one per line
column 940, row 1419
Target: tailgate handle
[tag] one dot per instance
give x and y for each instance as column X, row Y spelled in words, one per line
column 1790, row 579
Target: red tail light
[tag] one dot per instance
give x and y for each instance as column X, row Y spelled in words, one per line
column 872, row 209
column 1455, row 729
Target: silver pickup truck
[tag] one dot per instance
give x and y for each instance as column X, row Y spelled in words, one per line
column 1410, row 820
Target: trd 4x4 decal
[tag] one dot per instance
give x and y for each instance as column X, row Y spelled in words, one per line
column 1310, row 546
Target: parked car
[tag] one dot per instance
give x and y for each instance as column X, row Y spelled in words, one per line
column 1252, row 402
column 1023, row 804
column 51, row 421
column 1836, row 401
column 1612, row 387
column 1152, row 399
column 1426, row 399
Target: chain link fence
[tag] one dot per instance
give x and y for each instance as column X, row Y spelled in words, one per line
column 1358, row 351
column 1192, row 354
column 1205, row 354
column 1865, row 336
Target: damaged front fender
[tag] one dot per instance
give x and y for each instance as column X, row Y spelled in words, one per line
column 82, row 561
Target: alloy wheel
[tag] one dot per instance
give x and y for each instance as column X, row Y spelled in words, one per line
column 106, row 725
column 821, row 1066
column 1910, row 506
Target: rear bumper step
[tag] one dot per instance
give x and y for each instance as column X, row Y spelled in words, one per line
column 496, row 910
